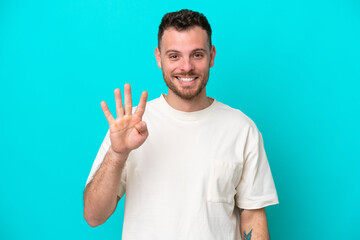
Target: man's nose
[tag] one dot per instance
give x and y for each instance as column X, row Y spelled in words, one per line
column 187, row 65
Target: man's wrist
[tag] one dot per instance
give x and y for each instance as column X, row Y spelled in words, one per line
column 119, row 157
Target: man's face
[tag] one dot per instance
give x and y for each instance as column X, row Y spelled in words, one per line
column 185, row 59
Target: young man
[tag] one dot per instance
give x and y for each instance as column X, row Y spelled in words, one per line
column 192, row 168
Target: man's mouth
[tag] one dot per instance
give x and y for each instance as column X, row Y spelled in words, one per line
column 186, row 79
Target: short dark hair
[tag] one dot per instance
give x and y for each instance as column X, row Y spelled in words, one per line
column 183, row 20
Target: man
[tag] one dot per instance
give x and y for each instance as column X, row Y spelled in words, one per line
column 192, row 168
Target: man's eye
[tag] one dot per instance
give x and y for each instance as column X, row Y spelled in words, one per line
column 198, row 55
column 173, row 56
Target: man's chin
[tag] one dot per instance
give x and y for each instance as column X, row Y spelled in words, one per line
column 189, row 94
column 185, row 92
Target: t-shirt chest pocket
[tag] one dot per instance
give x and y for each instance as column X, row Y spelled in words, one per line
column 223, row 179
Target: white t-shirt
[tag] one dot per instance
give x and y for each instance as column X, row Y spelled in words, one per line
column 187, row 181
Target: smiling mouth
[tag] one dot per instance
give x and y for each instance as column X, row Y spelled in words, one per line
column 186, row 79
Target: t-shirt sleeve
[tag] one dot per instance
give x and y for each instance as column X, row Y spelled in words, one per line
column 256, row 188
column 98, row 161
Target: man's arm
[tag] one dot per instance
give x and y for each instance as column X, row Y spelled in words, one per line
column 127, row 132
column 100, row 195
column 253, row 224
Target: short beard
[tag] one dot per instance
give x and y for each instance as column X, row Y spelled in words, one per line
column 186, row 95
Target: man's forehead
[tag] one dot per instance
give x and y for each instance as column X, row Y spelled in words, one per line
column 173, row 30
column 194, row 37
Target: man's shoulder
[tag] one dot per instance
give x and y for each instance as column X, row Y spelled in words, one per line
column 234, row 115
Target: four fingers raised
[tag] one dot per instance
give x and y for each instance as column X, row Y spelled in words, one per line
column 128, row 105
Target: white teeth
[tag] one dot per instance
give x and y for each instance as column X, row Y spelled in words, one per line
column 186, row 79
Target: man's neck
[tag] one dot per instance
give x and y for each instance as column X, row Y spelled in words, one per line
column 196, row 104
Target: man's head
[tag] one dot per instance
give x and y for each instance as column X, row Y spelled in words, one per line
column 183, row 20
column 185, row 53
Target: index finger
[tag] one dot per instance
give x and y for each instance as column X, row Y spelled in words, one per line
column 140, row 109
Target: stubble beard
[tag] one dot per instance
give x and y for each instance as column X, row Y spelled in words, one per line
column 185, row 93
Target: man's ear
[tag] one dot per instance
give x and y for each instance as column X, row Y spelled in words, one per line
column 212, row 55
column 158, row 57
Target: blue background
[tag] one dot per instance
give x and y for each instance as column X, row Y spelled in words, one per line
column 291, row 66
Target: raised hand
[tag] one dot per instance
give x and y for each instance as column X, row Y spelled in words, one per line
column 127, row 131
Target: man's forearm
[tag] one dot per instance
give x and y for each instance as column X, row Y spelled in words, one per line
column 253, row 224
column 100, row 195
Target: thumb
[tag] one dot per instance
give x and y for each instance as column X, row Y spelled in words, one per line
column 141, row 127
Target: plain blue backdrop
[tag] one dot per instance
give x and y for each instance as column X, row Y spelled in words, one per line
column 291, row 66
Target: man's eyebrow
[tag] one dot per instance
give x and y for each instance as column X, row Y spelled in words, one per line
column 195, row 50
column 172, row 51
column 199, row 49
